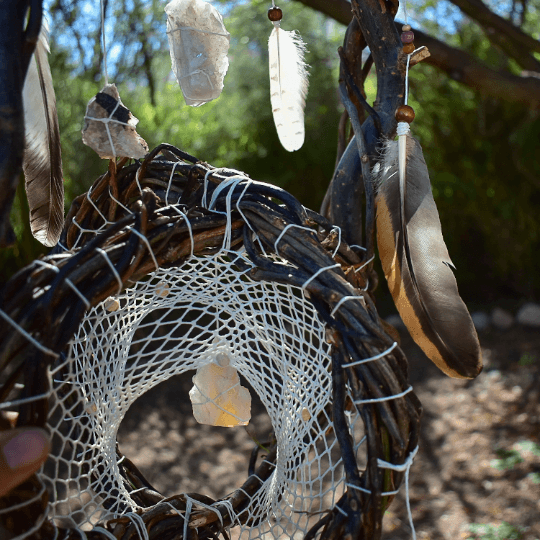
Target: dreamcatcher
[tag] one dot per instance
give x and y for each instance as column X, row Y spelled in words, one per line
column 235, row 275
column 242, row 281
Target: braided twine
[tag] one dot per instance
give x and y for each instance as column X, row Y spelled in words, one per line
column 159, row 213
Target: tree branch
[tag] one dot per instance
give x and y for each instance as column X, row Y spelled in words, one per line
column 457, row 64
column 465, row 69
column 373, row 25
column 502, row 33
column 339, row 10
column 378, row 28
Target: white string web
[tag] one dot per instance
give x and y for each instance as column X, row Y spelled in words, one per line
column 178, row 320
column 168, row 325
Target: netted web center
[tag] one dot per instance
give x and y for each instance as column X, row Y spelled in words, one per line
column 174, row 322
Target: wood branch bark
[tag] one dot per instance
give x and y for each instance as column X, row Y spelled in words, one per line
column 339, row 10
column 373, row 26
column 502, row 33
column 459, row 65
column 17, row 45
column 463, row 68
column 378, row 28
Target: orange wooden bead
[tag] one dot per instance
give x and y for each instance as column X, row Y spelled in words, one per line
column 408, row 48
column 405, row 113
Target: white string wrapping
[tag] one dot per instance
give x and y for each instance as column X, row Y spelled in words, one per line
column 23, row 332
column 372, row 358
column 285, row 229
column 407, row 468
column 378, row 400
column 317, row 273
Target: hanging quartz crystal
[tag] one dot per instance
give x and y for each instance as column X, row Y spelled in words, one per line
column 217, row 397
column 199, row 43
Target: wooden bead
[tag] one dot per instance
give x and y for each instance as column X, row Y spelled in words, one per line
column 405, row 113
column 408, row 48
column 406, row 28
column 275, row 14
column 407, row 37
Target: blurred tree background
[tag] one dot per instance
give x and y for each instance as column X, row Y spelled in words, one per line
column 480, row 136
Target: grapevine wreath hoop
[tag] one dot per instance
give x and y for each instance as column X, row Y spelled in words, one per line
column 224, row 264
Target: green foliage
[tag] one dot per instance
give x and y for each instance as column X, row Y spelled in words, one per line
column 508, row 459
column 529, row 447
column 485, row 176
column 527, row 359
column 504, row 531
column 236, row 130
column 534, row 477
column 481, row 153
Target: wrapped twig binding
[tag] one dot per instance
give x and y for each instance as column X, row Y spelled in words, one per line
column 140, row 222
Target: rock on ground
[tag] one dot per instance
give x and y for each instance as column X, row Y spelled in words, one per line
column 529, row 315
column 502, row 319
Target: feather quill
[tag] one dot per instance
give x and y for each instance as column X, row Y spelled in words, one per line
column 417, row 265
column 42, row 163
column 288, row 86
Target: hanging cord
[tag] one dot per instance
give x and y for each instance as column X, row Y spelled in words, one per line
column 403, row 127
column 407, row 79
column 105, row 74
column 405, row 14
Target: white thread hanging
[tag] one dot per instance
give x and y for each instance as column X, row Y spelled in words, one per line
column 104, row 41
column 109, row 126
column 407, row 468
column 403, row 128
column 288, row 82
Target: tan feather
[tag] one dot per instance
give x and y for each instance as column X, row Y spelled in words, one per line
column 417, row 265
column 42, row 162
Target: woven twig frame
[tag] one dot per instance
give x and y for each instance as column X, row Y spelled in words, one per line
column 131, row 213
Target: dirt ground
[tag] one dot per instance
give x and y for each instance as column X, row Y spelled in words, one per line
column 478, row 463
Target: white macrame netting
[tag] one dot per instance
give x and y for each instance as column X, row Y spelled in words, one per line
column 251, row 281
column 173, row 322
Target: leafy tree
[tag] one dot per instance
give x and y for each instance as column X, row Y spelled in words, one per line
column 476, row 100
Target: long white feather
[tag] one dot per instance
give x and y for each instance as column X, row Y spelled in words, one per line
column 288, row 86
column 42, row 162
